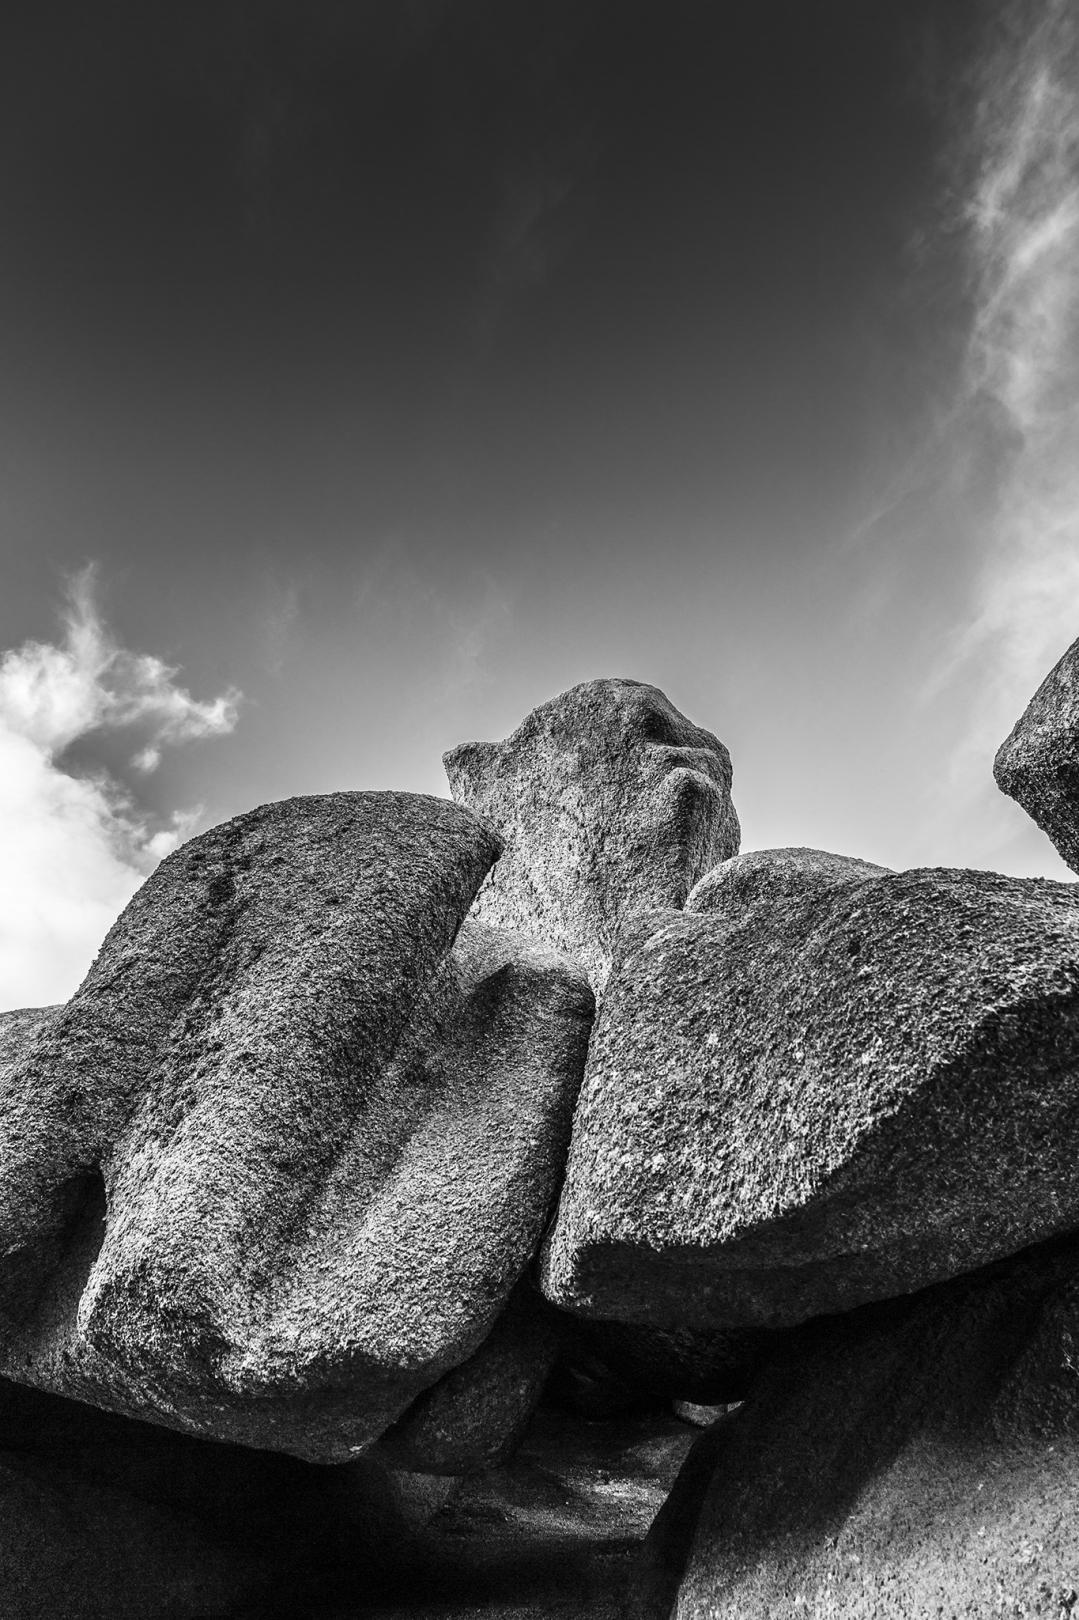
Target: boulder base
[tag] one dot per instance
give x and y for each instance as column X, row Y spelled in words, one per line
column 919, row 1458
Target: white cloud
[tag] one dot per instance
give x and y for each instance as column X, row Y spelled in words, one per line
column 73, row 848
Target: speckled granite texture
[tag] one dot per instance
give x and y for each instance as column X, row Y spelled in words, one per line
column 609, row 802
column 905, row 1461
column 805, row 1101
column 280, row 1162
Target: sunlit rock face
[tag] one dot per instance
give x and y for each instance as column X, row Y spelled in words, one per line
column 822, row 1090
column 609, row 802
column 280, row 1162
column 1038, row 762
column 16, row 1028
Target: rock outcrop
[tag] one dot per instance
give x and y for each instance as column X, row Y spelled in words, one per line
column 799, row 1102
column 1038, row 763
column 290, row 1167
column 280, row 1162
column 917, row 1458
column 609, row 802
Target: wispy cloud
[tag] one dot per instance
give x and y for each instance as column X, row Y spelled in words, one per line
column 1023, row 360
column 1004, row 454
column 74, row 847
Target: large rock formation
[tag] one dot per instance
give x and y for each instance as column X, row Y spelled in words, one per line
column 280, row 1162
column 913, row 1459
column 815, row 1095
column 609, row 802
column 278, row 1172
column 1038, row 763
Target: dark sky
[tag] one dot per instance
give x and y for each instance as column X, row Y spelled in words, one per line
column 400, row 364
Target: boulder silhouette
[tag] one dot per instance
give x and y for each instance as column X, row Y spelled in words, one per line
column 609, row 802
column 801, row 1100
column 279, row 1163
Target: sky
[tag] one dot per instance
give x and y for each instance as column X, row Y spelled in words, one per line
column 371, row 372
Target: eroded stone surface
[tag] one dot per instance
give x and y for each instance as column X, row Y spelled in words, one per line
column 473, row 1417
column 609, row 802
column 775, row 875
column 797, row 1104
column 18, row 1029
column 279, row 1163
column 1038, row 762
column 912, row 1459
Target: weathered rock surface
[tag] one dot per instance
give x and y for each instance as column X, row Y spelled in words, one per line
column 1038, row 762
column 919, row 1458
column 473, row 1417
column 801, row 1102
column 775, row 875
column 17, row 1028
column 279, row 1163
column 609, row 801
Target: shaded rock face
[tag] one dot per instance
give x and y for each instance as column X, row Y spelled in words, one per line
column 799, row 1103
column 919, row 1458
column 473, row 1417
column 555, row 1532
column 103, row 1518
column 1038, row 763
column 678, row 1363
column 609, row 802
column 280, row 1162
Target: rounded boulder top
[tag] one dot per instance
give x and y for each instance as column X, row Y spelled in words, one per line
column 609, row 802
